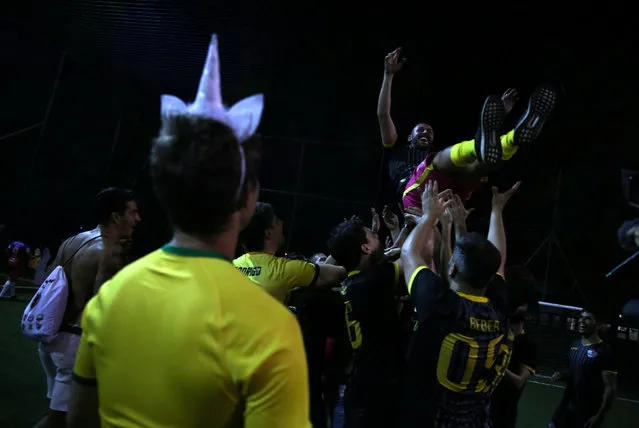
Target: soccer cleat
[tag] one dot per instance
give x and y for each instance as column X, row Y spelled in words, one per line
column 487, row 142
column 541, row 104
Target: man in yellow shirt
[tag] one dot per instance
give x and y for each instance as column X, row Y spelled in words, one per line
column 262, row 238
column 180, row 338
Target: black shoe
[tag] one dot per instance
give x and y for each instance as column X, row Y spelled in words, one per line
column 541, row 104
column 487, row 141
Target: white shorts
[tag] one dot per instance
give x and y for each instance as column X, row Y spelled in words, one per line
column 58, row 358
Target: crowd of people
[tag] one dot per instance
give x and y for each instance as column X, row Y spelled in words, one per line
column 424, row 328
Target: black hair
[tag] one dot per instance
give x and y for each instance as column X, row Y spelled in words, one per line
column 252, row 237
column 196, row 168
column 521, row 289
column 477, row 259
column 109, row 201
column 345, row 243
column 625, row 238
column 595, row 311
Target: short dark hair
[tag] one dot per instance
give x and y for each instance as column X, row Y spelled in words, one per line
column 195, row 167
column 252, row 237
column 109, row 201
column 521, row 289
column 345, row 243
column 626, row 240
column 595, row 310
column 477, row 259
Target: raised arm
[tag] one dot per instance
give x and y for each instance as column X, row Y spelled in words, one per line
column 445, row 245
column 392, row 65
column 496, row 231
column 459, row 214
column 418, row 249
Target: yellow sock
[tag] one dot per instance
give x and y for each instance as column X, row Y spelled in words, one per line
column 508, row 148
column 463, row 154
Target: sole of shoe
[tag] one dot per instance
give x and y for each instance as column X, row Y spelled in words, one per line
column 540, row 106
column 487, row 142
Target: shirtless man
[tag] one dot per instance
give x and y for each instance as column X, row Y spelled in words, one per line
column 89, row 259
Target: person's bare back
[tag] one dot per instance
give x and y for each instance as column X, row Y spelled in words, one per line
column 89, row 259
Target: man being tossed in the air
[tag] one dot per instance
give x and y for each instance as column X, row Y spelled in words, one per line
column 461, row 347
column 459, row 166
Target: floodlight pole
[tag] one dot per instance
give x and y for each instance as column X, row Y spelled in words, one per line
column 552, row 239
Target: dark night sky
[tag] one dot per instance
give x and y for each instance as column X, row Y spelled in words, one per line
column 320, row 67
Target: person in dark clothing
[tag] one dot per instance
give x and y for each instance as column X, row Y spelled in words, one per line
column 591, row 378
column 522, row 300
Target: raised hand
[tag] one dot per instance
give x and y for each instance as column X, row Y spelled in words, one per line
column 509, row 98
column 500, row 199
column 446, row 219
column 376, row 223
column 458, row 211
column 433, row 202
column 411, row 220
column 389, row 242
column 392, row 63
column 390, row 218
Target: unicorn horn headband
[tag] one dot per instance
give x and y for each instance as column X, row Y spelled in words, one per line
column 243, row 117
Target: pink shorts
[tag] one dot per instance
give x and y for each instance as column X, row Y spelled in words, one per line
column 424, row 173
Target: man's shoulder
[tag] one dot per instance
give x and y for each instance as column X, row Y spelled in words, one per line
column 253, row 258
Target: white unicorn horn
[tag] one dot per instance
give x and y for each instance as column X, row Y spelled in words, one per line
column 209, row 94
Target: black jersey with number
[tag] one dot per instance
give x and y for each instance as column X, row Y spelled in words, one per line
column 373, row 325
column 459, row 354
column 505, row 398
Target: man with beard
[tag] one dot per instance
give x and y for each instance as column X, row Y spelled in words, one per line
column 373, row 325
column 591, row 378
column 262, row 239
column 460, row 166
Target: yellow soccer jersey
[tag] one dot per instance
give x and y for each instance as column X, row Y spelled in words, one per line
column 277, row 275
column 181, row 338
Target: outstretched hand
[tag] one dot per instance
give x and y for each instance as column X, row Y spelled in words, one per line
column 392, row 63
column 500, row 199
column 458, row 211
column 509, row 98
column 376, row 224
column 433, row 202
column 390, row 218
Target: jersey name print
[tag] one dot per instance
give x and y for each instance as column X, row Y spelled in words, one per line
column 251, row 271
